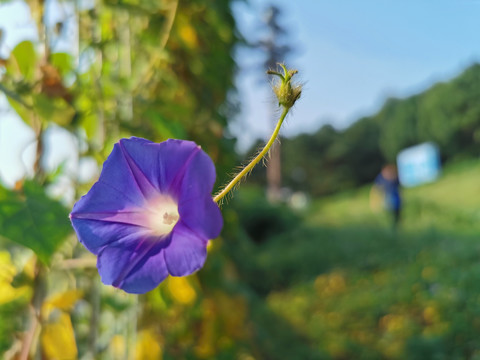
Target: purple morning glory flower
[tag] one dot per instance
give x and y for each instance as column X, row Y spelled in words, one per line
column 150, row 214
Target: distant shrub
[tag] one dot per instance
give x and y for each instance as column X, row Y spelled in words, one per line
column 260, row 219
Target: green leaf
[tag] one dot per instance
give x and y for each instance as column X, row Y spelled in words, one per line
column 30, row 218
column 168, row 129
column 24, row 59
column 20, row 109
column 18, row 103
column 14, row 95
column 63, row 62
column 54, row 110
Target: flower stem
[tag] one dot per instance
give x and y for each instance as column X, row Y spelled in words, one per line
column 255, row 161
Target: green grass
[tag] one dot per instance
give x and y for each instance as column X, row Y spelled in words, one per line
column 352, row 288
column 450, row 203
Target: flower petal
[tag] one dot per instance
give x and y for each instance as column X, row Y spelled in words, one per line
column 103, row 197
column 186, row 252
column 136, row 268
column 95, row 234
column 196, row 207
column 198, row 179
column 117, row 173
column 202, row 216
column 141, row 179
column 163, row 164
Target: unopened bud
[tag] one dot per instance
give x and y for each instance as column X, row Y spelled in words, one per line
column 286, row 91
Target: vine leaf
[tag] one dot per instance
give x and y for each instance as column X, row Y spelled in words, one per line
column 23, row 60
column 30, row 218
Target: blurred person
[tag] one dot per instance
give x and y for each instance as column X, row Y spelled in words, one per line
column 386, row 189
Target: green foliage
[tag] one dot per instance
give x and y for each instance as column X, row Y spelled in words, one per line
column 63, row 62
column 344, row 285
column 23, row 60
column 398, row 121
column 332, row 160
column 394, row 310
column 56, row 110
column 447, row 113
column 35, row 90
column 259, row 218
column 163, row 83
column 9, row 328
column 156, row 69
column 32, row 219
column 17, row 81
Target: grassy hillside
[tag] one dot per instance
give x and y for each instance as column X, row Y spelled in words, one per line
column 352, row 288
column 451, row 203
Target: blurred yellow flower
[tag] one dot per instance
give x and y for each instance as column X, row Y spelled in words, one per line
column 188, row 35
column 9, row 293
column 148, row 346
column 181, row 290
column 58, row 339
column 330, row 284
column 118, row 347
column 63, row 301
column 431, row 315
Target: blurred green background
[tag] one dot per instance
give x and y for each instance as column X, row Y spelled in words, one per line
column 315, row 275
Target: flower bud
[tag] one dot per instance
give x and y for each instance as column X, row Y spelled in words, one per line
column 286, row 91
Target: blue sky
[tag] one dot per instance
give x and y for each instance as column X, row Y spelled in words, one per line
column 352, row 55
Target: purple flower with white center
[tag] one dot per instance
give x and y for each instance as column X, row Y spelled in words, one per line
column 150, row 214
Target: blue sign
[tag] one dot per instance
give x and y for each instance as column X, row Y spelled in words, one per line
column 418, row 164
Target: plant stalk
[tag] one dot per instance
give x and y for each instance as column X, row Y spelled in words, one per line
column 255, row 161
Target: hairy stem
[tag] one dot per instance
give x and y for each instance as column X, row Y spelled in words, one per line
column 255, row 161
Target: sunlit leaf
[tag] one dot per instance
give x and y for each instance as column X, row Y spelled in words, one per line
column 168, row 129
column 88, row 119
column 106, row 25
column 56, row 110
column 63, row 62
column 30, row 218
column 18, row 104
column 23, row 60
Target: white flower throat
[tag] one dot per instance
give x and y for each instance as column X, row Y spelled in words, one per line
column 162, row 215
